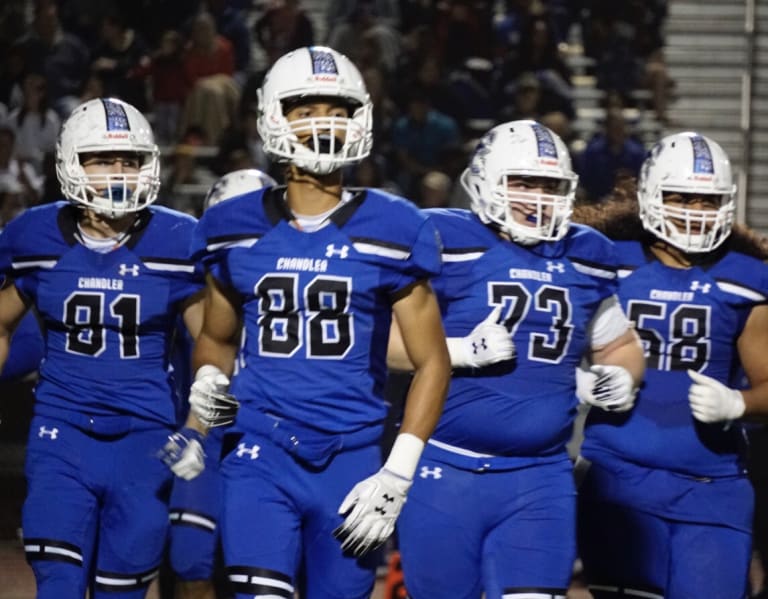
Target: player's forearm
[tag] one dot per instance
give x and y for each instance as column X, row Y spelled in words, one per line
column 214, row 351
column 756, row 401
column 426, row 396
column 626, row 352
column 5, row 348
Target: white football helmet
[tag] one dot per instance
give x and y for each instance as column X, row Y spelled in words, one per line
column 236, row 184
column 687, row 163
column 108, row 125
column 334, row 142
column 521, row 149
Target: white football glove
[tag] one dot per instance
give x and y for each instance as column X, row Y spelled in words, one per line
column 184, row 454
column 488, row 343
column 609, row 388
column 371, row 509
column 711, row 401
column 209, row 399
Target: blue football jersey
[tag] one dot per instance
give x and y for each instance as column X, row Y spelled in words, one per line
column 549, row 292
column 686, row 319
column 316, row 306
column 107, row 317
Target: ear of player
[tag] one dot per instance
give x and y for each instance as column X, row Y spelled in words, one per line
column 609, row 388
column 209, row 399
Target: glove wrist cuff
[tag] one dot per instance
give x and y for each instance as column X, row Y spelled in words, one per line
column 457, row 350
column 207, row 371
column 405, row 455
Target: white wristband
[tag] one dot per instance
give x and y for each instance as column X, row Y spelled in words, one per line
column 405, row 455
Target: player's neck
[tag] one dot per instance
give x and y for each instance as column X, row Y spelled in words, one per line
column 100, row 227
column 670, row 256
column 309, row 194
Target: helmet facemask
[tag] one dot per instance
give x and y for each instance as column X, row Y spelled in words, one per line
column 680, row 169
column 112, row 195
column 691, row 230
column 521, row 171
column 324, row 144
column 109, row 128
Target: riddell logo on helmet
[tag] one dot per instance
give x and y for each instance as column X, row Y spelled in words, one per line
column 116, row 135
column 324, row 77
column 702, row 177
column 548, row 161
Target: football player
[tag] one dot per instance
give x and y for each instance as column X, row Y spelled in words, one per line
column 107, row 272
column 314, row 271
column 195, row 504
column 665, row 504
column 492, row 508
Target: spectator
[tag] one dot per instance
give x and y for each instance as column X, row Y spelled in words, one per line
column 367, row 34
column 209, row 64
column 609, row 156
column 169, row 85
column 34, row 123
column 15, row 172
column 60, row 56
column 121, row 60
column 419, row 138
column 435, row 190
column 231, row 23
column 282, row 28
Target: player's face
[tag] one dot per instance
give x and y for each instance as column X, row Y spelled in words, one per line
column 693, row 201
column 109, row 163
column 523, row 194
column 324, row 118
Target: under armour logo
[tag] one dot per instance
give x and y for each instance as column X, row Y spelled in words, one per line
column 44, row 432
column 696, row 286
column 380, row 510
column 243, row 449
column 133, row 269
column 555, row 266
column 331, row 251
column 433, row 472
column 476, row 347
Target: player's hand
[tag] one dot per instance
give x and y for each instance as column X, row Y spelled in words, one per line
column 184, row 454
column 371, row 509
column 488, row 343
column 610, row 388
column 711, row 401
column 209, row 399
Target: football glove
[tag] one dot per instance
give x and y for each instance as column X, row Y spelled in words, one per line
column 371, row 509
column 184, row 454
column 488, row 343
column 609, row 388
column 209, row 399
column 711, row 401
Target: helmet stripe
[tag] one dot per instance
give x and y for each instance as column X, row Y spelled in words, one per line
column 323, row 62
column 544, row 141
column 117, row 119
column 702, row 156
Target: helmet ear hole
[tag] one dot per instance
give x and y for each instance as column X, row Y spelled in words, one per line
column 315, row 74
column 521, row 150
column 108, row 126
column 678, row 165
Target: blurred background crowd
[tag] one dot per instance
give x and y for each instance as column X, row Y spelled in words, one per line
column 440, row 73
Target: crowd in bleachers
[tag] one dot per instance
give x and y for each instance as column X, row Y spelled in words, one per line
column 440, row 72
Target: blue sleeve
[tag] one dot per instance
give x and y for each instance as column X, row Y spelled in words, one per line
column 26, row 351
